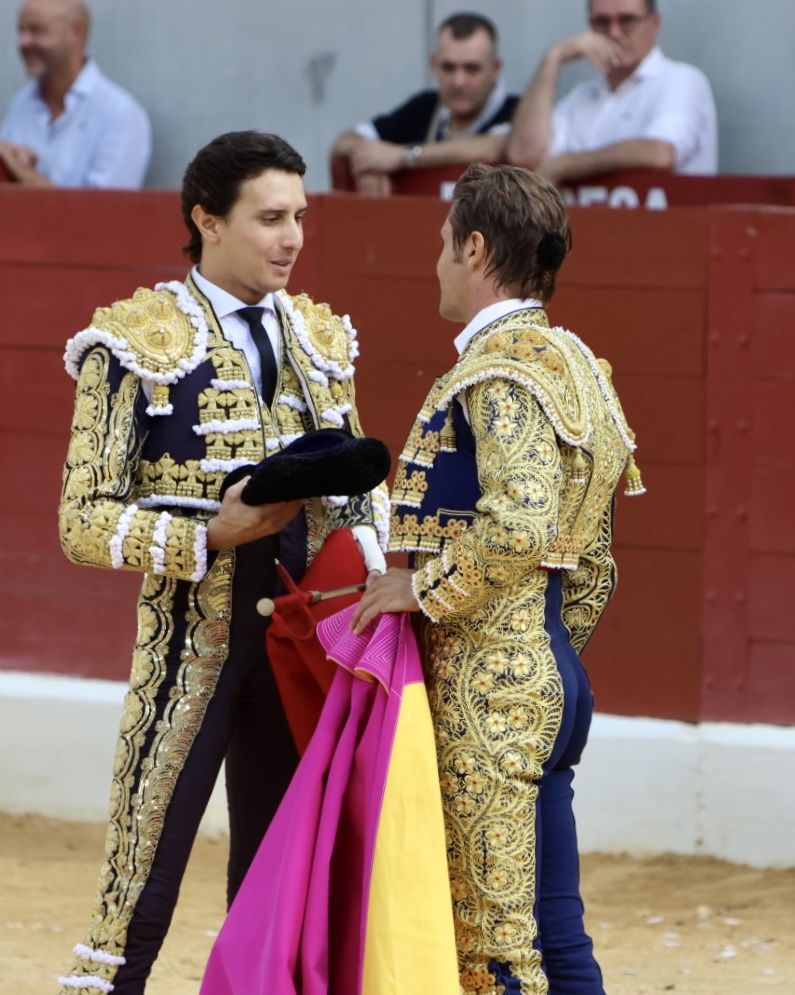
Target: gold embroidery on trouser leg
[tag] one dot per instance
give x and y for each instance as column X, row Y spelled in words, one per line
column 143, row 785
column 497, row 703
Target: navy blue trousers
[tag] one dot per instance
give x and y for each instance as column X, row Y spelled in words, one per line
column 244, row 725
column 566, row 949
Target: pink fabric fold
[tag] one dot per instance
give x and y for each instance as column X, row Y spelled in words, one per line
column 298, row 923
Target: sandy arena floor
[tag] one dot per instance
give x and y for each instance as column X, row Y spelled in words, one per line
column 671, row 924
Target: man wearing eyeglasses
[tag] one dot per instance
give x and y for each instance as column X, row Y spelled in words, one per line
column 645, row 111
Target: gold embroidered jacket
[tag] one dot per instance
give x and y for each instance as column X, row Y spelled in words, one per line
column 552, row 442
column 166, row 406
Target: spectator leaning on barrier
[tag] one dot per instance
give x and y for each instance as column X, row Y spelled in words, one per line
column 645, row 111
column 70, row 126
column 465, row 120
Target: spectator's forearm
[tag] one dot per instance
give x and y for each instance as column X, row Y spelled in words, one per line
column 531, row 130
column 474, row 148
column 636, row 153
column 346, row 142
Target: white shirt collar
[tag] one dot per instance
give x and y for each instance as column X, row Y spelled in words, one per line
column 650, row 66
column 222, row 301
column 493, row 104
column 490, row 314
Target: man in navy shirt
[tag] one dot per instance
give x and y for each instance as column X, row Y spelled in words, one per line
column 465, row 120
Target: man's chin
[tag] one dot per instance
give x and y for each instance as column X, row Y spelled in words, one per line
column 35, row 65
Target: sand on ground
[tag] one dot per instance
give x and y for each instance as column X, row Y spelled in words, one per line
column 688, row 925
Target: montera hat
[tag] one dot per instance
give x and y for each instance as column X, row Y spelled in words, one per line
column 325, row 461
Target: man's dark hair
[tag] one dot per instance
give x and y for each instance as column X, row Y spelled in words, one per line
column 465, row 25
column 214, row 176
column 524, row 225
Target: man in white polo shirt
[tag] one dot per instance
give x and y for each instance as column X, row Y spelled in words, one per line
column 645, row 111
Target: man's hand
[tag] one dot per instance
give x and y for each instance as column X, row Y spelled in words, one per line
column 237, row 523
column 377, row 157
column 374, row 184
column 602, row 52
column 389, row 592
column 19, row 160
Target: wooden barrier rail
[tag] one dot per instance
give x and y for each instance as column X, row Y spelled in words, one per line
column 653, row 189
column 694, row 308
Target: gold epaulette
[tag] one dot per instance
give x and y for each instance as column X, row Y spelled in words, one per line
column 530, row 356
column 149, row 333
column 329, row 336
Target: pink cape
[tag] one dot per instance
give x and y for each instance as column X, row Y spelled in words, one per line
column 298, row 925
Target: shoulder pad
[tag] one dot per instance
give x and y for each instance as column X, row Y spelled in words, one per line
column 530, row 356
column 323, row 335
column 149, row 333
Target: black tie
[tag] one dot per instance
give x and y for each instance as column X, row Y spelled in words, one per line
column 267, row 360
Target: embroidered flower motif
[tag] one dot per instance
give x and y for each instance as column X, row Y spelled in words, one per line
column 496, row 724
column 505, row 933
column 521, row 666
column 483, row 683
column 521, row 620
column 517, row 718
column 475, row 783
column 497, row 573
column 513, row 763
column 498, row 880
column 520, row 542
column 497, row 837
column 536, row 494
column 496, row 662
column 445, row 669
column 463, row 805
column 507, row 407
column 465, row 763
column 504, row 426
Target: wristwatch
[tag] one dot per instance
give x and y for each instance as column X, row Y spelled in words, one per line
column 411, row 155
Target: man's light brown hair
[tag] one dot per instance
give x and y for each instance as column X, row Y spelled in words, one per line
column 514, row 210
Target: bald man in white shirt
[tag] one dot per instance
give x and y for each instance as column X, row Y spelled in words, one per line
column 70, row 126
column 645, row 111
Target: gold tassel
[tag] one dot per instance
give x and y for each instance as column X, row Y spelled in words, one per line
column 447, row 434
column 579, row 466
column 160, row 395
column 633, row 483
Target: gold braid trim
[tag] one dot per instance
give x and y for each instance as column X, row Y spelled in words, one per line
column 587, row 589
column 143, row 785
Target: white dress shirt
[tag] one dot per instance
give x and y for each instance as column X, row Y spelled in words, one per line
column 102, row 138
column 235, row 327
column 664, row 100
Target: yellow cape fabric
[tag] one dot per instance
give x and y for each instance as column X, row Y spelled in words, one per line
column 410, row 943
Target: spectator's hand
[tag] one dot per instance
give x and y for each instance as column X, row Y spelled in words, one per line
column 391, row 592
column 18, row 159
column 602, row 52
column 237, row 523
column 374, row 184
column 377, row 157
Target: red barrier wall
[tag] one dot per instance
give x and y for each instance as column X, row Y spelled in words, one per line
column 694, row 308
column 653, row 188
